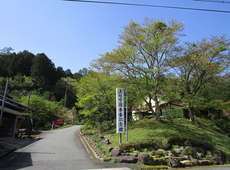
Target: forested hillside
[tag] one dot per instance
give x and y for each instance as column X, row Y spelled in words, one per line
column 51, row 90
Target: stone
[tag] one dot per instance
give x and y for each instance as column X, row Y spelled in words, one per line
column 111, row 135
column 173, row 163
column 173, row 153
column 188, row 157
column 109, row 149
column 143, row 158
column 126, row 159
column 200, row 155
column 181, row 148
column 196, row 162
column 177, row 150
column 165, row 153
column 105, row 142
column 209, row 153
column 221, row 158
column 101, row 136
column 187, row 163
column 134, row 154
column 187, row 143
column 115, row 152
column 205, row 162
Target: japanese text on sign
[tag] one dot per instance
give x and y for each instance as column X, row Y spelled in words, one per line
column 120, row 110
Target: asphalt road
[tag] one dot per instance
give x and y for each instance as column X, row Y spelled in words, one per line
column 59, row 149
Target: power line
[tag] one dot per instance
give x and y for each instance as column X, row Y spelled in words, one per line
column 148, row 5
column 227, row 2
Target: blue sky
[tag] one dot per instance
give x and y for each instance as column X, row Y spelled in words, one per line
column 72, row 34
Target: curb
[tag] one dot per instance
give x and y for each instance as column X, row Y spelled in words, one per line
column 95, row 154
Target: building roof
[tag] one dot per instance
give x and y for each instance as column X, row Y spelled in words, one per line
column 13, row 104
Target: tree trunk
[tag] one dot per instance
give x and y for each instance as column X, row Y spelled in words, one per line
column 191, row 111
column 157, row 108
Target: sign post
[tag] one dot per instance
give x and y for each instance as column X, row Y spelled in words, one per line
column 120, row 111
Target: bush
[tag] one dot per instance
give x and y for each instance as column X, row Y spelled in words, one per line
column 187, row 151
column 176, row 113
column 113, row 161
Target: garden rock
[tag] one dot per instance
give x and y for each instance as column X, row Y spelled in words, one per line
column 209, row 153
column 173, row 153
column 174, row 163
column 220, row 158
column 200, row 155
column 205, row 162
column 134, row 154
column 109, row 149
column 126, row 159
column 143, row 158
column 101, row 136
column 177, row 150
column 196, row 162
column 187, row 163
column 105, row 142
column 189, row 157
column 116, row 152
column 165, row 153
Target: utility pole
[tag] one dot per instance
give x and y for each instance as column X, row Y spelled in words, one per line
column 3, row 102
column 127, row 113
column 65, row 95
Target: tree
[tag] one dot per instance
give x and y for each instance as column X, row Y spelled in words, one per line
column 141, row 57
column 43, row 70
column 97, row 96
column 83, row 71
column 65, row 91
column 198, row 66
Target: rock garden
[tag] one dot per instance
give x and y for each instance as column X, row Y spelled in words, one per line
column 160, row 147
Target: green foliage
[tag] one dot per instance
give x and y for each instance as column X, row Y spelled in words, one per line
column 187, row 151
column 142, row 57
column 144, row 150
column 209, row 157
column 176, row 113
column 97, row 96
column 45, row 110
column 113, row 161
column 175, row 146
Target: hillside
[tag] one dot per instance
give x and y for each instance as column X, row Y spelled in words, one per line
column 149, row 133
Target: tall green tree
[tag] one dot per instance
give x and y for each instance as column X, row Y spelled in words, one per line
column 43, row 70
column 97, row 96
column 198, row 66
column 65, row 91
column 142, row 55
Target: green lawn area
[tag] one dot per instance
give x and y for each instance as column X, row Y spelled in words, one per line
column 147, row 132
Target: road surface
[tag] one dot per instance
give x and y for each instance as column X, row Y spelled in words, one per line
column 58, row 149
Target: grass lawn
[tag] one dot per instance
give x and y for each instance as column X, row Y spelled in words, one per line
column 148, row 132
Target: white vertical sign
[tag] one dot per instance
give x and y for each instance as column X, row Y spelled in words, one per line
column 120, row 110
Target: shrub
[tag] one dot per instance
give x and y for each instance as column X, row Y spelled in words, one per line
column 175, row 113
column 113, row 161
column 175, row 146
column 144, row 150
column 187, row 151
column 208, row 156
